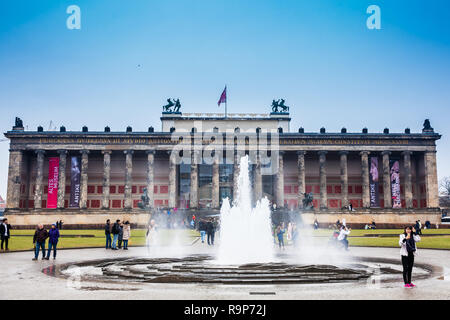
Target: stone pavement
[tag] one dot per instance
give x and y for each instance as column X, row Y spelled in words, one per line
column 24, row 279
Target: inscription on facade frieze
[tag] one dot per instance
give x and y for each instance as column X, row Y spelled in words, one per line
column 172, row 141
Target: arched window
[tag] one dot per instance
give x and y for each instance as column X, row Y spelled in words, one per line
column 172, row 129
column 215, row 130
column 237, row 130
column 280, row 130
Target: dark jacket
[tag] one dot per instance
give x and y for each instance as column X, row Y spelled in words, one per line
column 115, row 228
column 53, row 236
column 2, row 230
column 201, row 226
column 210, row 227
column 40, row 235
column 107, row 228
column 120, row 233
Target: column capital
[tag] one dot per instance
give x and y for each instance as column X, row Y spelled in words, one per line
column 386, row 153
column 322, row 152
column 280, row 153
column 106, row 151
column 432, row 151
column 128, row 151
column 301, row 153
column 62, row 152
column 409, row 153
column 39, row 151
column 84, row 151
column 153, row 151
column 344, row 152
column 364, row 153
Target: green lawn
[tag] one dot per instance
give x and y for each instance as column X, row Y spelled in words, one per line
column 23, row 239
column 356, row 238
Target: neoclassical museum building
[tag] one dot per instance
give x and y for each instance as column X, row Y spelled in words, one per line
column 84, row 177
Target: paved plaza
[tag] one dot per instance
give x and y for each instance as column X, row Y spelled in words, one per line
column 24, row 279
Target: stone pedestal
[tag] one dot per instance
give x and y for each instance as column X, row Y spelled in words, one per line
column 14, row 180
column 62, row 178
column 301, row 177
column 323, row 180
column 106, row 178
column 128, row 203
column 365, row 179
column 39, row 177
column 84, row 178
column 386, row 181
column 344, row 178
column 408, row 179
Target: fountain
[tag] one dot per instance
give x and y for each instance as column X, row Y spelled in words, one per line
column 245, row 256
column 245, row 235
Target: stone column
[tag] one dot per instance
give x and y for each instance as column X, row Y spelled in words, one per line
column 386, row 180
column 365, row 179
column 431, row 180
column 39, row 178
column 14, row 180
column 301, row 177
column 172, row 181
column 279, row 185
column 84, row 178
column 128, row 204
column 408, row 179
column 150, row 177
column 106, row 178
column 344, row 178
column 258, row 178
column 215, row 183
column 235, row 174
column 193, row 195
column 62, row 178
column 323, row 180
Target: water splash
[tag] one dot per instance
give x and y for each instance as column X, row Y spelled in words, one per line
column 246, row 235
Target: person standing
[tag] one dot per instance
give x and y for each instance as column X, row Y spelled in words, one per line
column 53, row 237
column 408, row 249
column 343, row 236
column 280, row 235
column 5, row 233
column 151, row 234
column 120, row 239
column 210, row 230
column 108, row 234
column 126, row 234
column 40, row 235
column 202, row 229
column 115, row 231
column 295, row 235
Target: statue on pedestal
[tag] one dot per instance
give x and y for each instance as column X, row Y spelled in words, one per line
column 172, row 103
column 280, row 103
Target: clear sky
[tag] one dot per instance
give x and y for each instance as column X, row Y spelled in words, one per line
column 129, row 56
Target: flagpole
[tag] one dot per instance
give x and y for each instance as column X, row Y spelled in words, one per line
column 226, row 101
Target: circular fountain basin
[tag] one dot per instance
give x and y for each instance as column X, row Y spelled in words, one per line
column 203, row 269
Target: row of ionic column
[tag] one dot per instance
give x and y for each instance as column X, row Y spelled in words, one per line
column 430, row 179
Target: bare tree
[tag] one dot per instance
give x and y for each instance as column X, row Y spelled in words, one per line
column 444, row 186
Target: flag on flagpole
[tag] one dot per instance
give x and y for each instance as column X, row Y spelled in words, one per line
column 223, row 97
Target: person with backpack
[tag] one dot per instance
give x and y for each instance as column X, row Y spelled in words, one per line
column 115, row 231
column 408, row 249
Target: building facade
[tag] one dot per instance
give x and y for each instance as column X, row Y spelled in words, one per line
column 85, row 176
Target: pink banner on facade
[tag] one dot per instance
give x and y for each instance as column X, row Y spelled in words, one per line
column 53, row 176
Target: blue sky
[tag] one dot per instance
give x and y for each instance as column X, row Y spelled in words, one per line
column 318, row 55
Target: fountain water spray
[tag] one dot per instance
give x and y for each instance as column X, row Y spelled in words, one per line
column 245, row 235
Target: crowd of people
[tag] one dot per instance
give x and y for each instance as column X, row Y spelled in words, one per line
column 117, row 234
